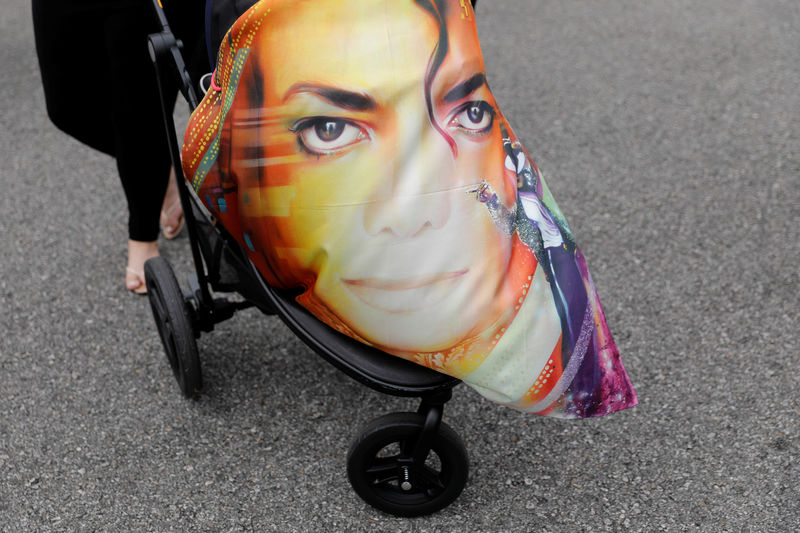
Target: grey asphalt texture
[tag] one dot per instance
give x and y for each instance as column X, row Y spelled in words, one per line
column 669, row 131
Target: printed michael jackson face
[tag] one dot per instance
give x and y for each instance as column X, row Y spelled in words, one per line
column 374, row 123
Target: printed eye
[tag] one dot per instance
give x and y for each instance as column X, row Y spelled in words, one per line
column 327, row 135
column 474, row 118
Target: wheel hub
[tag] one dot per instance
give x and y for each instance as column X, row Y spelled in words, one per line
column 406, row 483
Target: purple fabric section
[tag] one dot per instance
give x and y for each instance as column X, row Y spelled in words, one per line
column 601, row 385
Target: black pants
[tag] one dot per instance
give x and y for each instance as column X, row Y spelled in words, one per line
column 100, row 87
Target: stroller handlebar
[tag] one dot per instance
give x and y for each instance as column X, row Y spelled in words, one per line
column 164, row 43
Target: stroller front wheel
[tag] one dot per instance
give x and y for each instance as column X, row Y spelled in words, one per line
column 174, row 322
column 384, row 473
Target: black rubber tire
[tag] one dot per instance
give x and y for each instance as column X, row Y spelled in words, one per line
column 174, row 321
column 432, row 488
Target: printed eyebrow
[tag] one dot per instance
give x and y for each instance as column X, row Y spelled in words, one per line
column 462, row 90
column 338, row 97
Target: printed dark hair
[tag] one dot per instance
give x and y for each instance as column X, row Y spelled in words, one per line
column 437, row 9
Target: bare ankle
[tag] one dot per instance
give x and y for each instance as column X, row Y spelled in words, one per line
column 139, row 252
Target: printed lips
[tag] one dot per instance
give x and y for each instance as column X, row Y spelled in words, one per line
column 404, row 294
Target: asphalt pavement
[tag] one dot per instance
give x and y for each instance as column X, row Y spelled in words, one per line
column 670, row 134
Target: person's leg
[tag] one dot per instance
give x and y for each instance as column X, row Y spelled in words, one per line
column 171, row 211
column 138, row 253
column 141, row 151
column 187, row 21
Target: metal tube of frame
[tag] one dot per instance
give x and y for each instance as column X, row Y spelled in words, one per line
column 159, row 43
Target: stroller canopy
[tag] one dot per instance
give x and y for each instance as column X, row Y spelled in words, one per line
column 355, row 151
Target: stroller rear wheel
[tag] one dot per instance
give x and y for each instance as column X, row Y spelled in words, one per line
column 384, row 473
column 174, row 321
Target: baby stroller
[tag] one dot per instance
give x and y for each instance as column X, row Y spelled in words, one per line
column 429, row 465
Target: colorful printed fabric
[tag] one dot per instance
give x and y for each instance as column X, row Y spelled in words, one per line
column 354, row 149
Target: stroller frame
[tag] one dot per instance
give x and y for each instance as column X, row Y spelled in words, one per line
column 402, row 485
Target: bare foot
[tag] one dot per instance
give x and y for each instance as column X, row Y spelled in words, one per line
column 138, row 253
column 171, row 211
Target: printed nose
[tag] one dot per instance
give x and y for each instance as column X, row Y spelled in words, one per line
column 418, row 198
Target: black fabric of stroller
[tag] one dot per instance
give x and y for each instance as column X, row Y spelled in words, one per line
column 220, row 16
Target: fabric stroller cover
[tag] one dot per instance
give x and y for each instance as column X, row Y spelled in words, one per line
column 355, row 151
